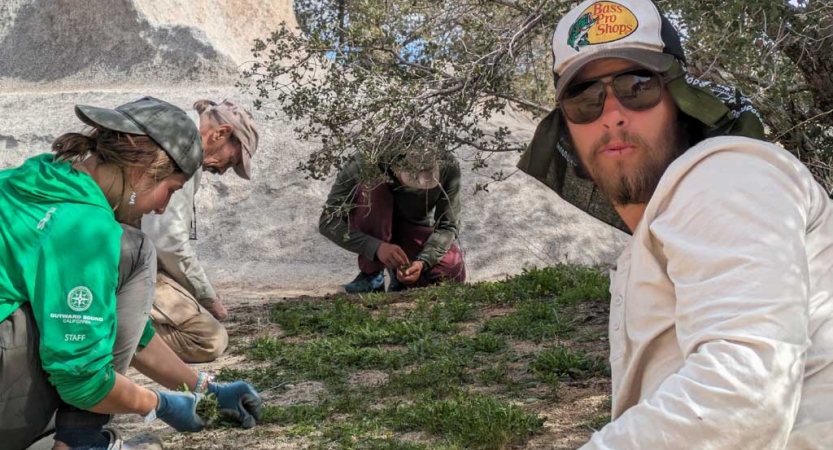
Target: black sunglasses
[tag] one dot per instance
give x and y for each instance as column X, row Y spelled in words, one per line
column 636, row 89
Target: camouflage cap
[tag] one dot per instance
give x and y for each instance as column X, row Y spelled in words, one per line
column 168, row 126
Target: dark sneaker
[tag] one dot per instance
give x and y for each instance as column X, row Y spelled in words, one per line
column 364, row 282
column 395, row 285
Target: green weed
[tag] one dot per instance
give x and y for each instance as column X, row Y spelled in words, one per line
column 489, row 343
column 494, row 375
column 566, row 283
column 473, row 422
column 294, row 415
column 438, row 379
column 260, row 378
column 598, row 422
column 563, row 362
column 534, row 320
column 317, row 317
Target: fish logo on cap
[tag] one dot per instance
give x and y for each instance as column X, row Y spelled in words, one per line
column 600, row 23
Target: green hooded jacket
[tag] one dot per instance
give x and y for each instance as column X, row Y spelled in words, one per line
column 59, row 251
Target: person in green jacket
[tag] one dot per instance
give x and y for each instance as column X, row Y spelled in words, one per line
column 401, row 213
column 77, row 284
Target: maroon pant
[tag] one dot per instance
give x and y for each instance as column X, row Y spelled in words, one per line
column 373, row 215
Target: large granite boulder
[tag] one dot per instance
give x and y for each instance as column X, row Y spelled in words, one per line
column 112, row 42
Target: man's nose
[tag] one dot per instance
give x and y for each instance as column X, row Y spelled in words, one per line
column 614, row 115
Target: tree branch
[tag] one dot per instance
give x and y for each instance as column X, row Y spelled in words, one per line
column 483, row 148
column 543, row 109
column 803, row 123
column 510, row 3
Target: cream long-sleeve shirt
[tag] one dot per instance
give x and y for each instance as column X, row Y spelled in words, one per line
column 171, row 235
column 721, row 321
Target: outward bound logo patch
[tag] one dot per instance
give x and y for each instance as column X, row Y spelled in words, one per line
column 600, row 23
column 80, row 298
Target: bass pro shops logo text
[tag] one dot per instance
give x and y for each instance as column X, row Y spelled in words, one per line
column 600, row 23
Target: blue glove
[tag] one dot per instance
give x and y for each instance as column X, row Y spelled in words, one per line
column 179, row 410
column 238, row 401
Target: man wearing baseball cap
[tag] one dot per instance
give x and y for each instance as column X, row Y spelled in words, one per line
column 721, row 316
column 401, row 213
column 187, row 310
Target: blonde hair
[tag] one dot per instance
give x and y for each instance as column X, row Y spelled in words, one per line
column 122, row 150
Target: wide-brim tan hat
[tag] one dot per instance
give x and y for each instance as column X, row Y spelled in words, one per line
column 244, row 130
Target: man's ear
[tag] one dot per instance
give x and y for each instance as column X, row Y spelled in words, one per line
column 223, row 131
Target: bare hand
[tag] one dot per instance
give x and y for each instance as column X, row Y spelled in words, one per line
column 217, row 309
column 411, row 274
column 392, row 256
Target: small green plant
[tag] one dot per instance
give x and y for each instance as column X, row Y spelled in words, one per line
column 489, row 343
column 330, row 318
column 208, row 408
column 565, row 284
column 271, row 378
column 537, row 320
column 494, row 375
column 326, row 358
column 470, row 421
column 295, row 414
column 598, row 422
column 563, row 362
column 449, row 309
column 265, row 349
column 437, row 379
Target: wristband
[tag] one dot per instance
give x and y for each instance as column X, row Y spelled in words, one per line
column 203, row 381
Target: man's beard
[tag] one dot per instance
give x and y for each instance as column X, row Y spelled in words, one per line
column 638, row 185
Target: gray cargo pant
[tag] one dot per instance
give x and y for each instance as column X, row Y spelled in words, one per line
column 27, row 400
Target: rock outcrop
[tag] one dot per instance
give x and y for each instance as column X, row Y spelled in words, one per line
column 113, row 42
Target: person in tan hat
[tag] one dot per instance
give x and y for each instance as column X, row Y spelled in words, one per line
column 187, row 310
column 405, row 219
column 721, row 312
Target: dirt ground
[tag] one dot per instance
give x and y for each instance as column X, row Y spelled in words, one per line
column 566, row 425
